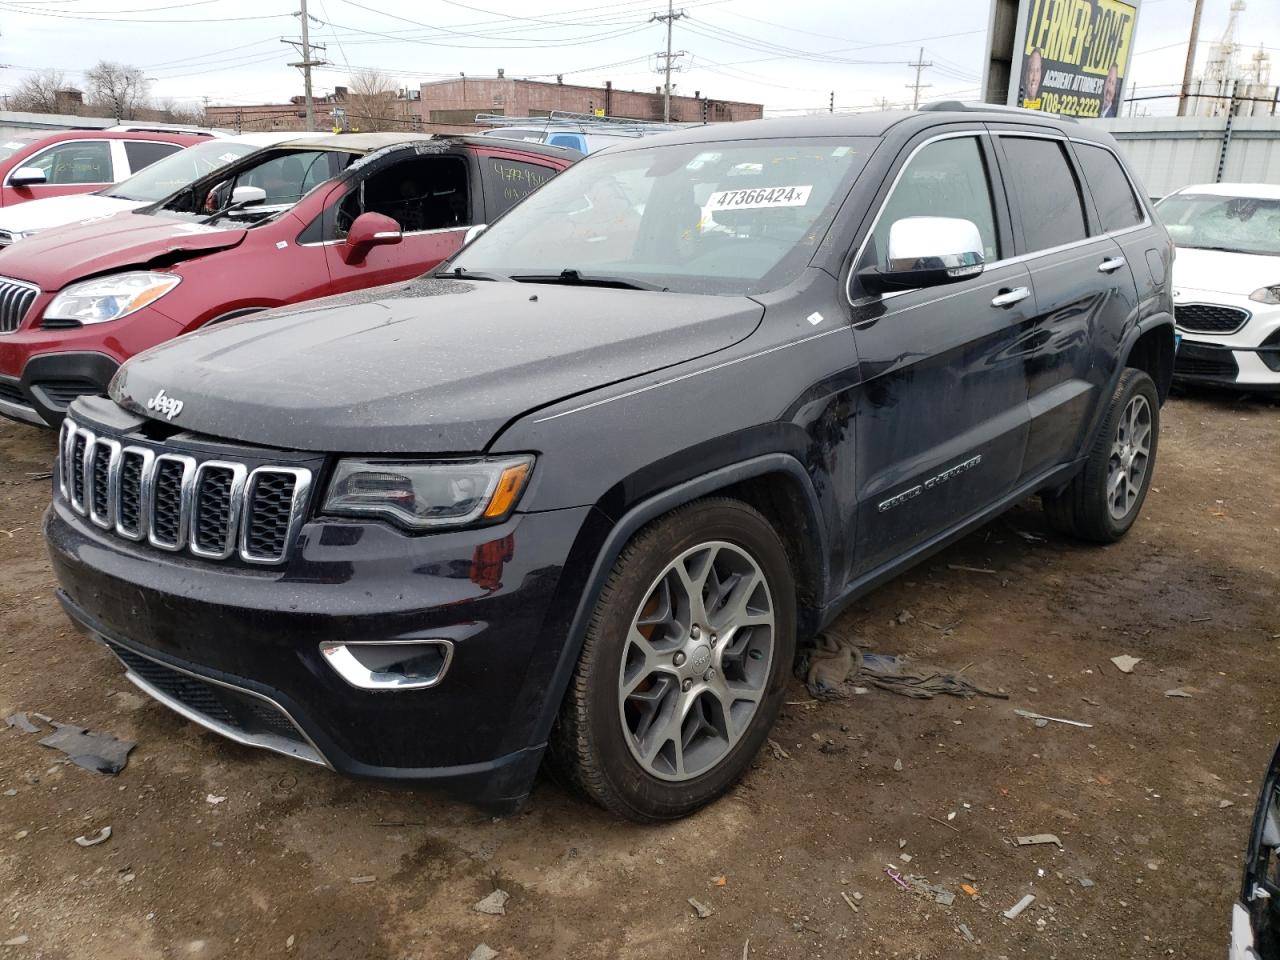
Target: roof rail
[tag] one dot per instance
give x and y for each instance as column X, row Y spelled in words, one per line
column 564, row 118
column 958, row 106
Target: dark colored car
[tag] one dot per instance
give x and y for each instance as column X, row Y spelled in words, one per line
column 578, row 493
column 1255, row 918
column 292, row 222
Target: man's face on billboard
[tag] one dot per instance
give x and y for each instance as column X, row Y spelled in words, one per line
column 1034, row 68
column 1111, row 86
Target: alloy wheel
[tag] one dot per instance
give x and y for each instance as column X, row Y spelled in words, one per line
column 697, row 661
column 1130, row 456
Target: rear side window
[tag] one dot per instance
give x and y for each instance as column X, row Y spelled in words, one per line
column 507, row 182
column 1048, row 195
column 947, row 178
column 1117, row 206
column 143, row 153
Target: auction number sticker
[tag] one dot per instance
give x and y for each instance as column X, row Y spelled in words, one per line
column 759, row 197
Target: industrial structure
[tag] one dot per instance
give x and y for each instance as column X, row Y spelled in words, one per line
column 1233, row 81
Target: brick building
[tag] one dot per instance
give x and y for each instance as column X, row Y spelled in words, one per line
column 458, row 102
column 337, row 110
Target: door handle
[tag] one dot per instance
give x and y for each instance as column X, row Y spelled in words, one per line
column 1007, row 298
column 1111, row 265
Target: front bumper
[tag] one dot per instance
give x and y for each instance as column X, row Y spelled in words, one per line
column 49, row 383
column 240, row 647
column 1248, row 357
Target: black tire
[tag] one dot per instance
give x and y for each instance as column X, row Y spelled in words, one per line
column 1081, row 509
column 589, row 747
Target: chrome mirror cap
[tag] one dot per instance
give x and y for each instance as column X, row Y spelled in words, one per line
column 925, row 252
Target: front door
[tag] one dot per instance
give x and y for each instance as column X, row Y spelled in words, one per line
column 72, row 166
column 429, row 195
column 941, row 413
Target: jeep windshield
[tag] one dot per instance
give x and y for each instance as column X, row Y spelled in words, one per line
column 170, row 174
column 729, row 218
column 279, row 178
column 1203, row 221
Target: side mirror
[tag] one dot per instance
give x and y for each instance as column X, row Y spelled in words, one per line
column 926, row 252
column 368, row 231
column 243, row 196
column 474, row 232
column 28, row 176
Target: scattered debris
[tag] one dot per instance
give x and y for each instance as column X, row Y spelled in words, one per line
column 1201, row 619
column 20, row 721
column 896, row 877
column 700, row 908
column 1038, row 838
column 11, row 792
column 1013, row 912
column 288, row 944
column 367, row 878
column 213, row 799
column 720, row 881
column 904, row 616
column 102, row 836
column 1223, row 804
column 1125, row 663
column 17, row 941
column 21, row 834
column 100, row 752
column 970, row 889
column 495, row 904
column 776, row 749
column 835, row 668
column 897, row 765
column 1178, row 692
column 904, row 857
column 967, row 933
column 1040, row 716
column 1086, row 882
column 483, row 952
column 960, row 566
column 847, row 899
column 1030, row 537
column 945, row 824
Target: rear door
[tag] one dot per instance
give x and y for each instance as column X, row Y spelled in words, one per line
column 70, row 166
column 508, row 176
column 941, row 417
column 140, row 154
column 431, row 195
column 1084, row 293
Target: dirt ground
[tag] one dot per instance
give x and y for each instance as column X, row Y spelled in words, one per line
column 1139, row 801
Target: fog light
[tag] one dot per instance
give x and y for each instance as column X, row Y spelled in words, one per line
column 389, row 665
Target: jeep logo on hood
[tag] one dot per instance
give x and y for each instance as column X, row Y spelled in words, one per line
column 167, row 407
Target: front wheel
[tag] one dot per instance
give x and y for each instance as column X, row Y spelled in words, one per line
column 684, row 663
column 1105, row 498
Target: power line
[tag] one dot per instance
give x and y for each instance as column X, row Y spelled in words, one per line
column 916, row 87
column 667, row 58
column 306, row 48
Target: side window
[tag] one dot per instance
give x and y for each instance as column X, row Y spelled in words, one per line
column 947, row 178
column 1117, row 206
column 419, row 193
column 1048, row 196
column 88, row 161
column 143, row 153
column 507, row 182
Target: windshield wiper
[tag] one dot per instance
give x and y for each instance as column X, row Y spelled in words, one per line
column 573, row 278
column 462, row 273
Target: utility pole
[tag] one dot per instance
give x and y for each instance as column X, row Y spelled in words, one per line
column 1191, row 59
column 916, row 87
column 305, row 48
column 669, row 19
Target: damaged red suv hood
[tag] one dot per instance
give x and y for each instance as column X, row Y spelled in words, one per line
column 55, row 258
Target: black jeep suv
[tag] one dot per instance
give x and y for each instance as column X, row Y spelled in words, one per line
column 579, row 492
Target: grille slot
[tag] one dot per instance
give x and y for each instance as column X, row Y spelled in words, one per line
column 12, row 393
column 60, row 393
column 1193, row 361
column 16, row 299
column 214, row 508
column 1210, row 317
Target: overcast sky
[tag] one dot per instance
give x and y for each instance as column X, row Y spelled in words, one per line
column 787, row 56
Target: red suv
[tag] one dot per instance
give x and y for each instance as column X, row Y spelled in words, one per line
column 80, row 161
column 287, row 223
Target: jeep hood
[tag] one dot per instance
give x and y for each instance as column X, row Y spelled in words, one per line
column 54, row 258
column 434, row 366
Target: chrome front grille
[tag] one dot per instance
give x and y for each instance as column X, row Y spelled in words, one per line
column 16, row 298
column 213, row 509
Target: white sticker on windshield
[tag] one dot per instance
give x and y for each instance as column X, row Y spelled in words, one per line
column 701, row 160
column 758, row 197
column 228, row 157
column 839, row 151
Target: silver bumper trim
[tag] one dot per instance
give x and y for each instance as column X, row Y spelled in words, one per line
column 17, row 411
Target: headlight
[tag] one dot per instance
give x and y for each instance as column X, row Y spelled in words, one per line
column 110, row 298
column 1269, row 294
column 420, row 495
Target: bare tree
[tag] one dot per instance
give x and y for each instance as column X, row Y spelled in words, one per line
column 117, row 89
column 39, row 93
column 371, row 101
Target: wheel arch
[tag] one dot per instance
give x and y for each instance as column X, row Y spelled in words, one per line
column 1151, row 350
column 776, row 484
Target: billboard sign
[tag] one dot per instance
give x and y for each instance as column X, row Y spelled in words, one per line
column 1071, row 57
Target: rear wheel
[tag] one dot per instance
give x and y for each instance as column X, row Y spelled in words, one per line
column 1104, row 500
column 684, row 663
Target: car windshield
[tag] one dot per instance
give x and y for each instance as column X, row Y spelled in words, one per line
column 9, row 147
column 170, row 174
column 279, row 179
column 733, row 218
column 1211, row 222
